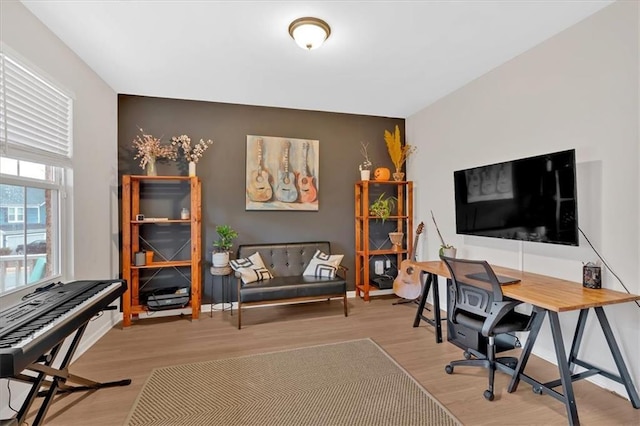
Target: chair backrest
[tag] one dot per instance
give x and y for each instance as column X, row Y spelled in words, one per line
column 475, row 286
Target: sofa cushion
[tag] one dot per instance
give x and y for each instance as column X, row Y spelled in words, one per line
column 279, row 288
column 323, row 265
column 251, row 269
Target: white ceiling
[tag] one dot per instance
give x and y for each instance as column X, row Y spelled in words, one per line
column 383, row 58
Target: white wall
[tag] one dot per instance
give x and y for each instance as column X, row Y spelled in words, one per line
column 578, row 90
column 92, row 245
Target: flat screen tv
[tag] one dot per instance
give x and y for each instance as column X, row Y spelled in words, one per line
column 530, row 199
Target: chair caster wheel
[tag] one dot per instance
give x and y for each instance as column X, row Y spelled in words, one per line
column 448, row 369
column 466, row 355
column 488, row 395
column 537, row 390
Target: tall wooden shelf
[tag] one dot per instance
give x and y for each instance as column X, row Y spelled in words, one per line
column 402, row 221
column 132, row 188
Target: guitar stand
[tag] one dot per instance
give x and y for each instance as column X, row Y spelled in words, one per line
column 404, row 301
column 57, row 383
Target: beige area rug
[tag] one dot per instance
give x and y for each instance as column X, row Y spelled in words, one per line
column 349, row 383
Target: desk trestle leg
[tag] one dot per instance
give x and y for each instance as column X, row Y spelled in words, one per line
column 565, row 365
column 436, row 321
column 617, row 356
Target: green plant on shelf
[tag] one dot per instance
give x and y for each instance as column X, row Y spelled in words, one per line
column 382, row 207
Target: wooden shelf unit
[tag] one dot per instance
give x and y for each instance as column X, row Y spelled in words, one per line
column 364, row 222
column 131, row 229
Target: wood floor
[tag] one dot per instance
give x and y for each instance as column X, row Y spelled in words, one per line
column 157, row 342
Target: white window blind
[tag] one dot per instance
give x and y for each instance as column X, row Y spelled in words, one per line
column 35, row 116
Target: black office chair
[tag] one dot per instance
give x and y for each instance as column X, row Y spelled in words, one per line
column 479, row 305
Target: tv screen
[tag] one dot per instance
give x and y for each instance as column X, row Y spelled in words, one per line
column 530, row 199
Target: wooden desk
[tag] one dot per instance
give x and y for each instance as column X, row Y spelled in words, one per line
column 550, row 296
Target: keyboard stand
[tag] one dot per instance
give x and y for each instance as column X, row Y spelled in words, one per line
column 57, row 383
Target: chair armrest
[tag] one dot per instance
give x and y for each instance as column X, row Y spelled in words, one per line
column 498, row 311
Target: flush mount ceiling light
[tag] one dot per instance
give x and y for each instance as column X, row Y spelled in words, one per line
column 309, row 33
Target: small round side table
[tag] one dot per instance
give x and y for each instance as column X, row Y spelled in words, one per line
column 225, row 273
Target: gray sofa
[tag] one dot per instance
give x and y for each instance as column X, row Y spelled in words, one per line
column 287, row 262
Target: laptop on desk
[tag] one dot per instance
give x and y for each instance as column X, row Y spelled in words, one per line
column 502, row 279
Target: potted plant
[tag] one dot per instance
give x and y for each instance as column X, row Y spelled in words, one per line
column 222, row 246
column 382, row 207
column 398, row 152
column 446, row 250
column 365, row 167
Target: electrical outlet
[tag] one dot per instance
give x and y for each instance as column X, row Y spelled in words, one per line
column 378, row 268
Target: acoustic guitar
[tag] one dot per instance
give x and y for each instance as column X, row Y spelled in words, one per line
column 407, row 284
column 259, row 188
column 286, row 190
column 306, row 182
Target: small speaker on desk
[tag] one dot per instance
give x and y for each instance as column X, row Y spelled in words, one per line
column 591, row 276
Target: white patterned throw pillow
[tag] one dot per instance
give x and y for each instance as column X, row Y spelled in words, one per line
column 323, row 265
column 251, row 269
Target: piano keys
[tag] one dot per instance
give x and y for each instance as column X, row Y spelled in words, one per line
column 33, row 330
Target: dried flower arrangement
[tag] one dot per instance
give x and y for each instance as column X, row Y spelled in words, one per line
column 150, row 148
column 366, row 164
column 397, row 152
column 194, row 153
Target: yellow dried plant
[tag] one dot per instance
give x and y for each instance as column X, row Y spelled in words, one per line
column 397, row 151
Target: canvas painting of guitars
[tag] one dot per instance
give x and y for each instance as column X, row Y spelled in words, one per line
column 407, row 284
column 259, row 188
column 286, row 190
column 282, row 173
column 306, row 182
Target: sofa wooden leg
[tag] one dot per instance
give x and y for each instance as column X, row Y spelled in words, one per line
column 239, row 316
column 344, row 302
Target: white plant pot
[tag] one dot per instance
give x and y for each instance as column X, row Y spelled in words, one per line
column 448, row 252
column 365, row 174
column 220, row 259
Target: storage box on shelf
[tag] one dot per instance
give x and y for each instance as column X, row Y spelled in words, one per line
column 189, row 265
column 368, row 226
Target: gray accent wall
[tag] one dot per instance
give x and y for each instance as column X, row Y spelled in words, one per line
column 222, row 168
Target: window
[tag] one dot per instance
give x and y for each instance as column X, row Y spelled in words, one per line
column 15, row 214
column 35, row 143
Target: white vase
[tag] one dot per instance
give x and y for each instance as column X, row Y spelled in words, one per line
column 365, row 174
column 396, row 240
column 448, row 252
column 220, row 259
column 192, row 168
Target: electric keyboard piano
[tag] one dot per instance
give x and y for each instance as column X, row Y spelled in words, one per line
column 33, row 330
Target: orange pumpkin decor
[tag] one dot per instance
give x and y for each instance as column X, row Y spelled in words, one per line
column 382, row 173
